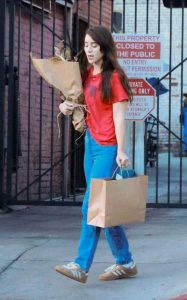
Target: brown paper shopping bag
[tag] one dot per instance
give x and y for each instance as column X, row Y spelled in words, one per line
column 115, row 202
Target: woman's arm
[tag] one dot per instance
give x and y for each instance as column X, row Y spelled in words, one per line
column 119, row 109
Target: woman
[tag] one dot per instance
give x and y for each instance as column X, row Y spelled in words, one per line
column 106, row 93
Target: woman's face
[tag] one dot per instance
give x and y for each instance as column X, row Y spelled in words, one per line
column 93, row 51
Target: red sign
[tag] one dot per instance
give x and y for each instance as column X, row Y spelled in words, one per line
column 138, row 50
column 140, row 87
column 139, row 55
column 143, row 99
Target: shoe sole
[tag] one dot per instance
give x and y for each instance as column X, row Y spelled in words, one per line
column 117, row 278
column 125, row 276
column 60, row 271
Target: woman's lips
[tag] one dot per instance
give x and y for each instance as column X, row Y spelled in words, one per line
column 90, row 56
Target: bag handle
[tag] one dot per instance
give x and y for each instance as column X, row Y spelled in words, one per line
column 121, row 168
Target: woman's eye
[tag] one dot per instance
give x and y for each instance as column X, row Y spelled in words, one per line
column 91, row 46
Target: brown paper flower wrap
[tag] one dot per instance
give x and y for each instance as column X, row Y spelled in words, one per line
column 64, row 76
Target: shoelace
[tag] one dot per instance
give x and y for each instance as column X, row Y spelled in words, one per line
column 72, row 265
column 111, row 268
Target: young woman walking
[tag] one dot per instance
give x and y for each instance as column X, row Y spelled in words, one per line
column 107, row 93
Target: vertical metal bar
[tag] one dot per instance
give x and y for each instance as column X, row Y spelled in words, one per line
column 157, row 124
column 77, row 27
column 124, row 10
column 89, row 6
column 41, row 97
column 112, row 11
column 157, row 148
column 64, row 122
column 158, row 16
column 145, row 148
column 74, row 135
column 169, row 116
column 29, row 106
column 52, row 108
column 134, row 123
column 145, row 138
column 100, row 12
column 18, row 112
column 65, row 22
column 10, row 99
column 135, row 16
column 2, row 90
column 181, row 104
column 147, row 16
column 18, row 5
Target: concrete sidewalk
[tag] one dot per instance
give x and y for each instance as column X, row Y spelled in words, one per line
column 34, row 239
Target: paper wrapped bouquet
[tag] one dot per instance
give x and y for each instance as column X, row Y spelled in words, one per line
column 64, row 75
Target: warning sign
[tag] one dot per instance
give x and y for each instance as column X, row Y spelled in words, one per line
column 138, row 50
column 139, row 54
column 143, row 100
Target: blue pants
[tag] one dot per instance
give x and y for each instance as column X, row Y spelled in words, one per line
column 99, row 162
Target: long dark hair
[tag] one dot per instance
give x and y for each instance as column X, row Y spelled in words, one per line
column 104, row 39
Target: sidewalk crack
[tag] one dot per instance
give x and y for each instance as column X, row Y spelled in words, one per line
column 20, row 255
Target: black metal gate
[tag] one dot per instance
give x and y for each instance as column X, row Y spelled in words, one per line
column 35, row 166
column 165, row 140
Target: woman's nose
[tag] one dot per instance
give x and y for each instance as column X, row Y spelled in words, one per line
column 89, row 49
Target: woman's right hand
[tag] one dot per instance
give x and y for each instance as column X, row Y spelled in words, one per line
column 66, row 108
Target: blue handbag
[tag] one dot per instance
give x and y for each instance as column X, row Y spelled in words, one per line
column 123, row 173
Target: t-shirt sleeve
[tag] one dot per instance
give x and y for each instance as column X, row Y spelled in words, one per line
column 119, row 94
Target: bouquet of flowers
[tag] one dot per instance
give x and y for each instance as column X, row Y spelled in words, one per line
column 64, row 75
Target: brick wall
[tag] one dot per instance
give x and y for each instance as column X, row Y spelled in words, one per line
column 36, row 106
column 40, row 145
column 95, row 12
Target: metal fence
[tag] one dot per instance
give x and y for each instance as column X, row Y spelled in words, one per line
column 35, row 166
column 165, row 142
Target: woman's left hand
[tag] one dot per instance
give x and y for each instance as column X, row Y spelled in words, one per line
column 122, row 160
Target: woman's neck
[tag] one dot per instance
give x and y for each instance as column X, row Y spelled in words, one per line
column 97, row 68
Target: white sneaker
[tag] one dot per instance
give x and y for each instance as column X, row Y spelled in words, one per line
column 73, row 271
column 119, row 272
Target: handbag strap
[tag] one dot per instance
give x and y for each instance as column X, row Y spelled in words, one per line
column 115, row 171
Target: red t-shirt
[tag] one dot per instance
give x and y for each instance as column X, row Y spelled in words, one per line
column 100, row 115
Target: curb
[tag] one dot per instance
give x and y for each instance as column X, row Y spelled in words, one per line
column 182, row 297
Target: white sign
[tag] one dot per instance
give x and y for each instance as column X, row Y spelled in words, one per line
column 139, row 54
column 143, row 100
